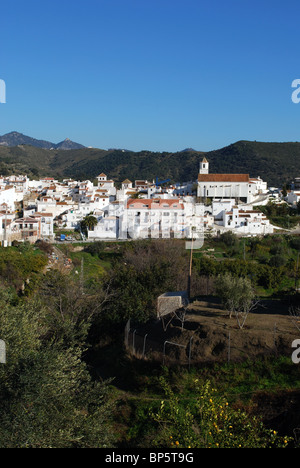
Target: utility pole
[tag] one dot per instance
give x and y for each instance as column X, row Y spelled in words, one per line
column 190, row 269
column 2, row 352
column 5, row 228
column 296, row 276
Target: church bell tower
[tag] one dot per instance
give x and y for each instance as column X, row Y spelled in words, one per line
column 204, row 166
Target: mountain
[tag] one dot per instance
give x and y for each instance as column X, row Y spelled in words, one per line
column 276, row 163
column 188, row 150
column 68, row 144
column 16, row 139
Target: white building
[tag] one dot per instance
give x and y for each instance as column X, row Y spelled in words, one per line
column 293, row 197
column 9, row 197
column 161, row 218
column 247, row 221
column 104, row 183
column 221, row 205
column 238, row 186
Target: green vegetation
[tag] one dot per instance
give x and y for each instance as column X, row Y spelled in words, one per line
column 278, row 163
column 69, row 382
column 20, row 267
column 210, row 423
column 48, row 398
column 88, row 223
column 271, row 262
column 281, row 215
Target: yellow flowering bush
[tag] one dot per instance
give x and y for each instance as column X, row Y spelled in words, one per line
column 210, row 422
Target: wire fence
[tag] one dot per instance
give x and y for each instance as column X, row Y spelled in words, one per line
column 186, row 348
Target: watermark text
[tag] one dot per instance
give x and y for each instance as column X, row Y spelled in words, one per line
column 2, row 92
column 296, row 93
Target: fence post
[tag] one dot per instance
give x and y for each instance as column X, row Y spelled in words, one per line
column 127, row 330
column 144, row 346
column 190, row 352
column 133, row 342
column 172, row 343
column 274, row 336
column 164, row 353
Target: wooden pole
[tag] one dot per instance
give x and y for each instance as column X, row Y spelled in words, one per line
column 190, row 270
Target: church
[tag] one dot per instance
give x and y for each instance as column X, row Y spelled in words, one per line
column 240, row 187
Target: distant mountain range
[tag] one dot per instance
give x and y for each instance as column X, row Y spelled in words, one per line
column 16, row 139
column 276, row 163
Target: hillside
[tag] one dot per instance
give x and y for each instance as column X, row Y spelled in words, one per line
column 16, row 138
column 277, row 163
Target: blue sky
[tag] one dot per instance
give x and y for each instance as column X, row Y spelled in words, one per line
column 161, row 75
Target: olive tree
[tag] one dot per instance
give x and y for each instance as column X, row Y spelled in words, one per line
column 237, row 296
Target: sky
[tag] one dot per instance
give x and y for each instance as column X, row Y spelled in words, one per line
column 158, row 75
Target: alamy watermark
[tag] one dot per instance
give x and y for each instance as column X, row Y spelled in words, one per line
column 296, row 93
column 2, row 92
column 296, row 353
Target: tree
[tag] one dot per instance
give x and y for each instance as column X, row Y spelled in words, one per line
column 146, row 270
column 88, row 223
column 70, row 306
column 278, row 261
column 237, row 296
column 47, row 395
column 229, row 238
column 284, row 190
column 55, row 404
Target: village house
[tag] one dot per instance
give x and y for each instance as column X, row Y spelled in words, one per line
column 293, row 197
column 104, row 183
column 246, row 221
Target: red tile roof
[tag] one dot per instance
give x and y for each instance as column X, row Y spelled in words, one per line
column 155, row 203
column 223, row 178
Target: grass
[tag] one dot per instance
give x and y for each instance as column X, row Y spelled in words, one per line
column 137, row 389
column 93, row 266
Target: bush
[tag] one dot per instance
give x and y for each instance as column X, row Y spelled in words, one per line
column 229, row 238
column 210, row 423
column 96, row 248
column 278, row 261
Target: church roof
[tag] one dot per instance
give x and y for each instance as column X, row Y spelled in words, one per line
column 204, row 160
column 223, row 178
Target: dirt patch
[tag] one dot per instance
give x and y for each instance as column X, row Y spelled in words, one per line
column 209, row 335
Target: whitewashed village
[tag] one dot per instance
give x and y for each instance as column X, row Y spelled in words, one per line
column 140, row 209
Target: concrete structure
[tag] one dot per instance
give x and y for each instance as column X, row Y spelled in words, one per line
column 169, row 302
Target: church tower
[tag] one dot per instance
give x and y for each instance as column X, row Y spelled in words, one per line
column 204, row 166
